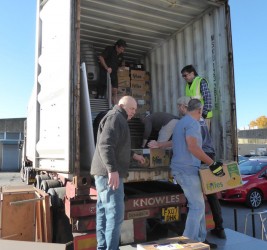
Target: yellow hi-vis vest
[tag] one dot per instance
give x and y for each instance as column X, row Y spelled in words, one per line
column 194, row 92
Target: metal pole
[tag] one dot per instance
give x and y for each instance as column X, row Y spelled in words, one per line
column 235, row 219
column 25, row 201
column 253, row 223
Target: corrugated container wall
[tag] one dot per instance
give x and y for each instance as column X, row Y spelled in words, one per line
column 166, row 36
column 203, row 44
column 163, row 35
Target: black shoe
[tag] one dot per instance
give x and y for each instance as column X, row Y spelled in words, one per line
column 219, row 232
column 212, row 245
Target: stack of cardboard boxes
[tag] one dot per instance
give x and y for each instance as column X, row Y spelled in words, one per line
column 137, row 84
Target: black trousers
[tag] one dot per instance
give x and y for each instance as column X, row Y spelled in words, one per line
column 102, row 84
column 215, row 210
column 215, row 205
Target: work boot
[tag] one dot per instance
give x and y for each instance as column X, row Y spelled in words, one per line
column 218, row 232
column 212, row 245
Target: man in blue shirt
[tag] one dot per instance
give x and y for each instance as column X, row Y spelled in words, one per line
column 187, row 156
column 208, row 148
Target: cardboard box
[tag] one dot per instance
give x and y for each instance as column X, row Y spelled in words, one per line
column 123, row 72
column 155, row 157
column 138, row 75
column 122, row 91
column 173, row 243
column 213, row 184
column 124, row 81
column 138, row 94
column 138, row 85
column 147, row 77
column 142, row 109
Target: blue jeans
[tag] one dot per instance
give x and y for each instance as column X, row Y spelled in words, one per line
column 195, row 227
column 109, row 214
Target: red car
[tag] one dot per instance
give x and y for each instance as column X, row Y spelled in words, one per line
column 254, row 189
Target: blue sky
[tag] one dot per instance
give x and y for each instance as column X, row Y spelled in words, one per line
column 249, row 33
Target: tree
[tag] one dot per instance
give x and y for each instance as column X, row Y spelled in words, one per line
column 260, row 122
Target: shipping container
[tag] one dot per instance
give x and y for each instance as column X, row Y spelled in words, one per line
column 162, row 37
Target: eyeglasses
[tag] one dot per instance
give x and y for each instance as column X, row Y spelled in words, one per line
column 185, row 75
column 181, row 105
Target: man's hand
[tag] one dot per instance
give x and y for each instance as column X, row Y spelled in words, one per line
column 113, row 180
column 139, row 158
column 217, row 168
column 109, row 70
column 153, row 144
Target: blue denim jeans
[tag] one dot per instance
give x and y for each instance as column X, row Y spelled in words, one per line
column 195, row 227
column 109, row 214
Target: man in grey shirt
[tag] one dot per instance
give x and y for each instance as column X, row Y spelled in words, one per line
column 110, row 165
column 161, row 122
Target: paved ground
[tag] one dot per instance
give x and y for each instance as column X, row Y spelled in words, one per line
column 235, row 239
column 10, row 178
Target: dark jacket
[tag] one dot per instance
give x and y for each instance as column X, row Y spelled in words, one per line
column 113, row 147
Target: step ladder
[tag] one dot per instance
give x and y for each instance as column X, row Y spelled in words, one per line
column 262, row 216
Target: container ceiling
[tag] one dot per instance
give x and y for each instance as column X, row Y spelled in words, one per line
column 144, row 24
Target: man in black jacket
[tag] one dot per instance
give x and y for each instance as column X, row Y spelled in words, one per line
column 110, row 59
column 110, row 165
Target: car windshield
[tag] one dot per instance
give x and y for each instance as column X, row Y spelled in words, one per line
column 242, row 159
column 251, row 167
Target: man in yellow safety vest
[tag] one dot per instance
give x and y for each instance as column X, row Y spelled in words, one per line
column 197, row 87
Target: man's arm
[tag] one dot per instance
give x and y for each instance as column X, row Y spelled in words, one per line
column 103, row 63
column 139, row 158
column 197, row 151
column 156, row 144
column 205, row 92
column 147, row 131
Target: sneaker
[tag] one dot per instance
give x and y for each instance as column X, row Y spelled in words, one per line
column 218, row 232
column 212, row 245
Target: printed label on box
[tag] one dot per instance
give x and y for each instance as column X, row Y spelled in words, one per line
column 137, row 75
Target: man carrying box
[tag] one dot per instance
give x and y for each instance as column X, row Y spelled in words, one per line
column 208, row 148
column 187, row 156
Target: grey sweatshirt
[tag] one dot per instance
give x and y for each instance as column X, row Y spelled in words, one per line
column 113, row 147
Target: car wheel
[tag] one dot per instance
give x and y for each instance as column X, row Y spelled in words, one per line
column 254, row 198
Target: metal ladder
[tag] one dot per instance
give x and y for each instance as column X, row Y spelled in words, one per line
column 262, row 219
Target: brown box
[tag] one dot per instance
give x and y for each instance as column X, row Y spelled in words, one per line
column 124, row 81
column 147, row 77
column 155, row 157
column 123, row 72
column 142, row 109
column 138, row 85
column 213, row 184
column 173, row 243
column 138, row 94
column 138, row 75
column 122, row 91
